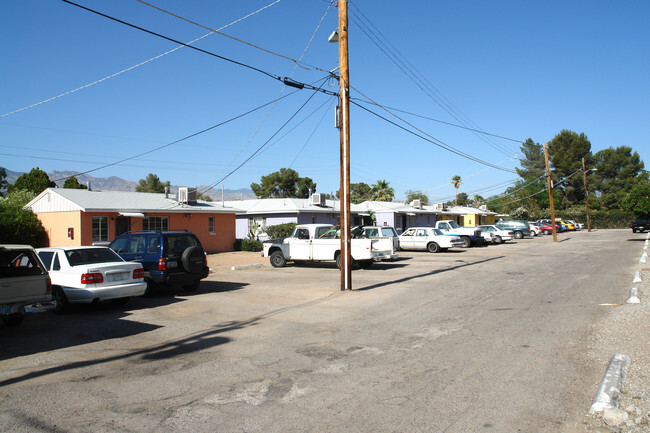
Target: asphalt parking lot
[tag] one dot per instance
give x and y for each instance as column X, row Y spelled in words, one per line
column 510, row 337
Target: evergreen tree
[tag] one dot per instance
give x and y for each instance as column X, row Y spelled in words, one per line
column 617, row 172
column 152, row 184
column 285, row 183
column 533, row 165
column 566, row 151
column 73, row 183
column 35, row 181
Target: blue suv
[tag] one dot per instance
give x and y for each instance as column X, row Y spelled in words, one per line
column 168, row 257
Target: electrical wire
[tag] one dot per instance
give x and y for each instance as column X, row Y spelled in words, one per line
column 137, row 65
column 259, row 149
column 434, row 140
column 182, row 139
column 411, row 72
column 298, row 63
column 285, row 80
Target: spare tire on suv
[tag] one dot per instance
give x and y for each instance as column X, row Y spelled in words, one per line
column 168, row 257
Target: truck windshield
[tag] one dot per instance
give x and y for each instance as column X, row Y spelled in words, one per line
column 454, row 224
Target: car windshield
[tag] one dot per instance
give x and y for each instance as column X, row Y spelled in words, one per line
column 88, row 256
column 454, row 224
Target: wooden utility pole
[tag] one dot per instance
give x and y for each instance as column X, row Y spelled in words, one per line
column 550, row 193
column 346, row 257
column 584, row 177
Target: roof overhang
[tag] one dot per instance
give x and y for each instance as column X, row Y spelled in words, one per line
column 132, row 214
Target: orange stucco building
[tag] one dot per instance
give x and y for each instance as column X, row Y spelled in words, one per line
column 82, row 217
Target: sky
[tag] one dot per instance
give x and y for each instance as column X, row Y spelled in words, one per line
column 85, row 93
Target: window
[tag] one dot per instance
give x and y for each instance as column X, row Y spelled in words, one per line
column 409, row 232
column 421, row 232
column 211, row 225
column 155, row 223
column 100, row 229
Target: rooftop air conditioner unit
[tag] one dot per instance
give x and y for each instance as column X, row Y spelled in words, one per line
column 483, row 207
column 440, row 206
column 318, row 199
column 187, row 195
column 416, row 203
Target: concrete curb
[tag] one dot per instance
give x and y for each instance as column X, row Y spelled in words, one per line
column 637, row 277
column 256, row 265
column 609, row 391
column 634, row 296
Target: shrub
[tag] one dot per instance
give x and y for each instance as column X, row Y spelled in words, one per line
column 280, row 230
column 251, row 245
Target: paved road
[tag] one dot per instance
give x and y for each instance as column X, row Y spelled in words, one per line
column 488, row 339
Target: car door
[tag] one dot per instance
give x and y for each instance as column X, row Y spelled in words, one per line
column 406, row 239
column 421, row 239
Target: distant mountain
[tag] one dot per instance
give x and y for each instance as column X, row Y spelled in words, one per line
column 115, row 183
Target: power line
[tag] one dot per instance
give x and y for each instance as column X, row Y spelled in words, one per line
column 434, row 140
column 182, row 139
column 298, row 63
column 136, row 65
column 411, row 72
column 287, row 81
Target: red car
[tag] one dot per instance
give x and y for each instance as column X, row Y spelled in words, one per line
column 545, row 228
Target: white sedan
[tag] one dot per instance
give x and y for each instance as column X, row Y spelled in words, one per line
column 499, row 236
column 90, row 274
column 428, row 238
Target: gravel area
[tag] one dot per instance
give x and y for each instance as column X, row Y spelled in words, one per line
column 223, row 262
column 625, row 330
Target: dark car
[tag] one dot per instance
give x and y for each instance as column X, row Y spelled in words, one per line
column 518, row 227
column 168, row 257
column 640, row 225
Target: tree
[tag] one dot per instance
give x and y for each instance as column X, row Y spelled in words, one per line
column 18, row 225
column 566, row 151
column 35, row 181
column 73, row 183
column 151, row 184
column 3, row 182
column 360, row 192
column 456, row 181
column 381, row 191
column 285, row 183
column 477, row 200
column 417, row 195
column 533, row 165
column 638, row 200
column 617, row 172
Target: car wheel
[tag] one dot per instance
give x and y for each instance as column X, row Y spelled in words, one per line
column 277, row 259
column 466, row 242
column 498, row 239
column 151, row 286
column 365, row 264
column 120, row 301
column 192, row 287
column 13, row 320
column 193, row 260
column 60, row 300
column 532, row 233
column 433, row 247
column 547, row 232
column 518, row 235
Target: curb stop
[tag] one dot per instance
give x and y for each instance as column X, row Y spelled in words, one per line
column 609, row 391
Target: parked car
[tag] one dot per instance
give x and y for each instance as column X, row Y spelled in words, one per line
column 499, row 236
column 90, row 274
column 640, row 225
column 380, row 232
column 578, row 226
column 25, row 286
column 488, row 237
column 569, row 226
column 518, row 227
column 534, row 229
column 545, row 228
column 429, row 239
column 168, row 257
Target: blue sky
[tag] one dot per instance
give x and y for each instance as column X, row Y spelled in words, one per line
column 510, row 68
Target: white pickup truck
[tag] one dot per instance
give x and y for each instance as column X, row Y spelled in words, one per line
column 468, row 235
column 320, row 242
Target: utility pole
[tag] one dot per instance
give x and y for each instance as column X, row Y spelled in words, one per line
column 550, row 193
column 344, row 78
column 584, row 177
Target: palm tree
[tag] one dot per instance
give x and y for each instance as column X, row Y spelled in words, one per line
column 456, row 182
column 477, row 200
column 382, row 192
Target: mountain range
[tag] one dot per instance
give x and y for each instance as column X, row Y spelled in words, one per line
column 115, row 183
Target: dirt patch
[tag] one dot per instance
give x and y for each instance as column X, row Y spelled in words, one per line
column 225, row 261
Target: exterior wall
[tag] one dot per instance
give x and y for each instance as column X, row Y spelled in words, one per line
column 386, row 218
column 56, row 225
